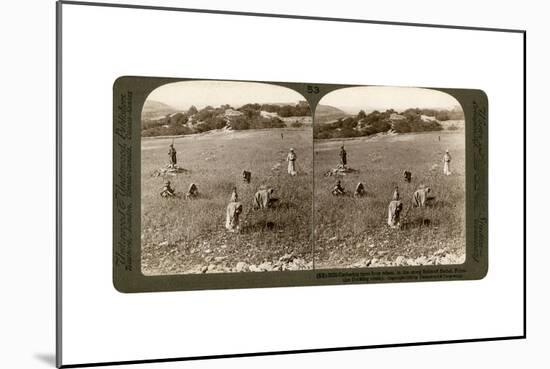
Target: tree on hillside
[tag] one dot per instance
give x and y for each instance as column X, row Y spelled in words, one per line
column 349, row 123
column 286, row 111
column 178, row 119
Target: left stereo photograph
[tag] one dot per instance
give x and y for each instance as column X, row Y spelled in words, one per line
column 225, row 178
column 221, row 178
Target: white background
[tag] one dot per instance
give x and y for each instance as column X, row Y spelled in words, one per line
column 29, row 196
column 205, row 323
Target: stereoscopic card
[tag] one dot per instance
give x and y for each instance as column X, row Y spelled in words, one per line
column 248, row 184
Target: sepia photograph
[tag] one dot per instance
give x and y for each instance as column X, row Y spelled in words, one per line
column 389, row 178
column 226, row 179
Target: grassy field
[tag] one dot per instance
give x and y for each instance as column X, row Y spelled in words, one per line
column 188, row 236
column 353, row 232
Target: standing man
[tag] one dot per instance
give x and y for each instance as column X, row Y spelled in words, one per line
column 172, row 154
column 447, row 163
column 343, row 156
column 291, row 158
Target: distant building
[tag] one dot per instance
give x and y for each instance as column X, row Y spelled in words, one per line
column 395, row 116
column 266, row 114
column 427, row 118
column 232, row 113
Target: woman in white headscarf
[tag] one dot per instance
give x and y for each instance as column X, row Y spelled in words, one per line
column 447, row 163
column 291, row 158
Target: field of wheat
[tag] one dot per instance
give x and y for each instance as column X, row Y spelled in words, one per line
column 181, row 235
column 352, row 232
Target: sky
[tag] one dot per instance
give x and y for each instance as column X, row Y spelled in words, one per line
column 353, row 99
column 181, row 95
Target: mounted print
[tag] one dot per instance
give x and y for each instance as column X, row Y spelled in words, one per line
column 234, row 172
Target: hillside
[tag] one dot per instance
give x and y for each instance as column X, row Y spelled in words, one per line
column 154, row 109
column 327, row 113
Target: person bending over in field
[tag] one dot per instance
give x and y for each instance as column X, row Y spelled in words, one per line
column 394, row 212
column 359, row 190
column 291, row 158
column 167, row 190
column 338, row 190
column 247, row 176
column 395, row 195
column 192, row 192
column 264, row 199
column 172, row 154
column 420, row 197
column 234, row 195
column 232, row 213
column 447, row 163
column 407, row 176
column 343, row 156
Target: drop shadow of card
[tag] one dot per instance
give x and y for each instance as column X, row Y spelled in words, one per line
column 46, row 358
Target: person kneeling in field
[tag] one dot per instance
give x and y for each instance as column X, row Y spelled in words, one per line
column 421, row 198
column 232, row 213
column 338, row 190
column 264, row 199
column 359, row 190
column 167, row 190
column 192, row 192
column 394, row 212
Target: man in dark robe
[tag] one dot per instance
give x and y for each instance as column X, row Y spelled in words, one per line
column 172, row 154
column 343, row 156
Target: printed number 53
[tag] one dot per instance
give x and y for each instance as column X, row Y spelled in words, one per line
column 312, row 89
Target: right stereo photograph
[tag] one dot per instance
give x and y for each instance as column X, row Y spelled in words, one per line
column 389, row 183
